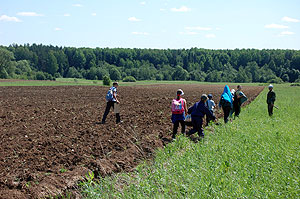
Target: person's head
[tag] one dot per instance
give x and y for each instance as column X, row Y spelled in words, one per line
column 270, row 87
column 179, row 93
column 203, row 98
column 210, row 96
column 115, row 84
column 239, row 87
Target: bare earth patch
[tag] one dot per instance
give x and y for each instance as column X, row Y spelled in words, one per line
column 51, row 136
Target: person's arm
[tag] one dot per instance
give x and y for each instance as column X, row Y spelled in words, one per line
column 115, row 96
column 220, row 103
column 274, row 97
column 185, row 107
column 208, row 113
column 190, row 110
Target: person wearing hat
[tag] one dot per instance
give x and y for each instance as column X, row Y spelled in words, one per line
column 210, row 104
column 112, row 102
column 271, row 97
column 179, row 108
column 198, row 111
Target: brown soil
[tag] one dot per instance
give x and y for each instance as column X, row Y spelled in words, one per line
column 51, row 136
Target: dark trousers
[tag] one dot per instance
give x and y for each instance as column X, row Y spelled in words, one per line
column 226, row 110
column 237, row 110
column 110, row 104
column 175, row 127
column 208, row 119
column 197, row 126
column 270, row 109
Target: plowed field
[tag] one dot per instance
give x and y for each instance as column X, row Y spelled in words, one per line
column 51, row 136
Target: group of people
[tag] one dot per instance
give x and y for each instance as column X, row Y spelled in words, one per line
column 230, row 102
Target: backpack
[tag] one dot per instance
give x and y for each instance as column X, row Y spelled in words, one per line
column 224, row 103
column 177, row 106
column 109, row 95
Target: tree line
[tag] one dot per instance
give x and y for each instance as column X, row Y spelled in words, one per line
column 47, row 62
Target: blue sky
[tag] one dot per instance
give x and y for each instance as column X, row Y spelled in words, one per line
column 162, row 24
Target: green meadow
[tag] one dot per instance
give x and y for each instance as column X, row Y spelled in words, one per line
column 85, row 82
column 255, row 156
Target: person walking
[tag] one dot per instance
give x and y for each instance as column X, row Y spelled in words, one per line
column 112, row 102
column 198, row 111
column 226, row 102
column 238, row 99
column 271, row 97
column 210, row 104
column 237, row 102
column 179, row 108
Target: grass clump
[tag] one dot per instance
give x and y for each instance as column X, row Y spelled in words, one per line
column 256, row 156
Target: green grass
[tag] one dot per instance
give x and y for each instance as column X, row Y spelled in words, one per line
column 58, row 82
column 85, row 82
column 256, row 156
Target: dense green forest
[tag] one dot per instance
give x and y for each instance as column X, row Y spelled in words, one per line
column 43, row 62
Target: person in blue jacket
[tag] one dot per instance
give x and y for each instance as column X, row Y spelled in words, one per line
column 198, row 111
column 226, row 102
column 111, row 100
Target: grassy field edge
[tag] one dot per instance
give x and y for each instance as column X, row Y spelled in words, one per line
column 255, row 156
column 85, row 82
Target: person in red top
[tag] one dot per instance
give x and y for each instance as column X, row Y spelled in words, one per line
column 179, row 109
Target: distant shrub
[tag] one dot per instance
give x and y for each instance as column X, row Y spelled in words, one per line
column 276, row 80
column 57, row 75
column 106, row 80
column 48, row 76
column 40, row 76
column 129, row 79
column 297, row 81
column 159, row 77
column 295, row 84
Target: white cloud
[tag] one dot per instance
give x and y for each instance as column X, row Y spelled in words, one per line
column 286, row 33
column 8, row 18
column 143, row 3
column 288, row 19
column 29, row 14
column 210, row 36
column 198, row 28
column 94, row 14
column 181, row 9
column 77, row 5
column 57, row 29
column 133, row 19
column 140, row 33
column 218, row 28
column 162, row 9
column 67, row 15
column 276, row 26
column 188, row 33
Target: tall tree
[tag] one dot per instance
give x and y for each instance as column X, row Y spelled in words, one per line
column 51, row 65
column 5, row 60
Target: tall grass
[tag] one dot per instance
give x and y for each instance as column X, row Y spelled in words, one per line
column 255, row 156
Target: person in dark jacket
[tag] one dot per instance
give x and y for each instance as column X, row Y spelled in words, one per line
column 236, row 101
column 226, row 102
column 271, row 97
column 198, row 111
